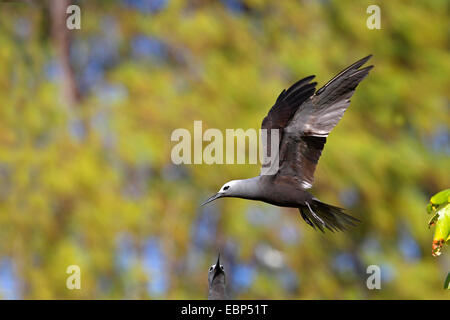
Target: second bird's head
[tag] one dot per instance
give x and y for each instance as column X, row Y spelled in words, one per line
column 216, row 273
column 229, row 189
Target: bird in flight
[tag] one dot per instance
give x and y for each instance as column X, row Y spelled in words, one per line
column 304, row 118
column 216, row 281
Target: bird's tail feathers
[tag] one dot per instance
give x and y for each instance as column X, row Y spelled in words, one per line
column 321, row 215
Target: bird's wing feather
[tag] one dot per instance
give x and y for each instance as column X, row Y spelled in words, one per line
column 282, row 112
column 305, row 135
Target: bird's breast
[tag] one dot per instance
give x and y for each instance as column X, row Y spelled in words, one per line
column 285, row 194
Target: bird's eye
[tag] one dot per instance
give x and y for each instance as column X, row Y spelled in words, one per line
column 211, row 268
column 221, row 267
column 226, row 188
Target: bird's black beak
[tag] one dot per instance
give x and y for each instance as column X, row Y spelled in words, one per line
column 214, row 197
column 217, row 269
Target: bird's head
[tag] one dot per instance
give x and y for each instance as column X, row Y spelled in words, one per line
column 216, row 273
column 229, row 189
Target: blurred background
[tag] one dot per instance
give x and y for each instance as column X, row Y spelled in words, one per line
column 86, row 177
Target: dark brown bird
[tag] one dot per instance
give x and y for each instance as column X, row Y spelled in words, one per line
column 304, row 118
column 216, row 280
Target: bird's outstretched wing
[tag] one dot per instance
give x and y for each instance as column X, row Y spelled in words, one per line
column 304, row 134
column 282, row 112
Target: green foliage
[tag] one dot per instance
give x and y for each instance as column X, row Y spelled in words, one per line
column 439, row 206
column 438, row 200
column 93, row 184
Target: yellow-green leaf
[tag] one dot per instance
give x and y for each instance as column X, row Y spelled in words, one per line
column 442, row 231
